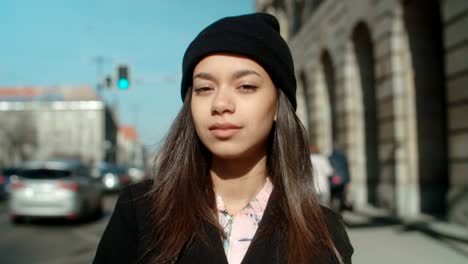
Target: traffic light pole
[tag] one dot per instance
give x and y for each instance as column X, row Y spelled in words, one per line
column 100, row 61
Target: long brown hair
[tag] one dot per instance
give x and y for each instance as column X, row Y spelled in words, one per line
column 183, row 197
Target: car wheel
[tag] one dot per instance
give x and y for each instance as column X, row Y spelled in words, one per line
column 99, row 211
column 84, row 213
column 17, row 220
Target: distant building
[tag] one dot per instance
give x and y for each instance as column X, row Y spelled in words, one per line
column 388, row 80
column 41, row 123
column 130, row 150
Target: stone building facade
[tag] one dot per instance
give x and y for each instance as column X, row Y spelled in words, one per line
column 388, row 81
column 61, row 122
column 130, row 150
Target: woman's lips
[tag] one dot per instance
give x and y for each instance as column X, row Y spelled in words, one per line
column 224, row 130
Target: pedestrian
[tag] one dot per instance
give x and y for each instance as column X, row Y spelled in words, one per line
column 233, row 183
column 339, row 182
column 322, row 171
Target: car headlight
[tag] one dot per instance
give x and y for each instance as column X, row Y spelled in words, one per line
column 110, row 180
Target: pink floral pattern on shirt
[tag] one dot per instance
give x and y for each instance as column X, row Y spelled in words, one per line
column 240, row 229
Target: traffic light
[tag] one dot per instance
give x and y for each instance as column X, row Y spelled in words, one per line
column 123, row 80
column 108, row 82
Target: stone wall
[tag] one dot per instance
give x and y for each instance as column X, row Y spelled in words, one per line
column 389, row 82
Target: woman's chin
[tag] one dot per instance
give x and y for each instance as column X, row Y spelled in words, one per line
column 235, row 153
column 227, row 151
column 227, row 155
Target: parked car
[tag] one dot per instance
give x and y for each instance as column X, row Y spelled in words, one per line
column 5, row 176
column 54, row 188
column 114, row 177
column 136, row 174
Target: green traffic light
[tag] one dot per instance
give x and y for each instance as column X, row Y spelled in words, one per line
column 123, row 84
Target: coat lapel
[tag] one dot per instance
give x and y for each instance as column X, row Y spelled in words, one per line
column 268, row 244
column 210, row 251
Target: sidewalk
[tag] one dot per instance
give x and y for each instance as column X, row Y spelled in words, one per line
column 426, row 224
column 380, row 238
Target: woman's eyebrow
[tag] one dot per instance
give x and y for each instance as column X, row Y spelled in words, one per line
column 205, row 76
column 242, row 73
column 235, row 75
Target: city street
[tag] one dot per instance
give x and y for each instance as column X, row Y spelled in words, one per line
column 362, row 103
column 52, row 241
column 57, row 241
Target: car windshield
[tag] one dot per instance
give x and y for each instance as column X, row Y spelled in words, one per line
column 114, row 170
column 44, row 174
column 10, row 171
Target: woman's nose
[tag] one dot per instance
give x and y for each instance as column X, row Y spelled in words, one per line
column 223, row 102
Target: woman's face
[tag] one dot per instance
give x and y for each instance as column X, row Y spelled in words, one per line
column 233, row 105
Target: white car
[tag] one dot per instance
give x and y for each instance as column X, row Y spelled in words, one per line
column 54, row 188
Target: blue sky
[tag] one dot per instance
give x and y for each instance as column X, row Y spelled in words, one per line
column 52, row 42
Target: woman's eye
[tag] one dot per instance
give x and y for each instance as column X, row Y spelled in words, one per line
column 248, row 87
column 202, row 89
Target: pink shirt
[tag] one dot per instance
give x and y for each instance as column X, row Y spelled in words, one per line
column 240, row 229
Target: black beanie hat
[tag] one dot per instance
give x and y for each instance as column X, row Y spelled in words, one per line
column 256, row 36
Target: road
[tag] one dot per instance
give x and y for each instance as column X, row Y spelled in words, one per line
column 57, row 242
column 51, row 241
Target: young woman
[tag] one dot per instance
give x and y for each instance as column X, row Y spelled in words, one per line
column 232, row 182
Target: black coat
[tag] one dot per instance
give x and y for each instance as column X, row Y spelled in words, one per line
column 124, row 238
